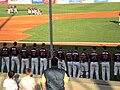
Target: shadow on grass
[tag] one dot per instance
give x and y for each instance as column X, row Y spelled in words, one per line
column 115, row 22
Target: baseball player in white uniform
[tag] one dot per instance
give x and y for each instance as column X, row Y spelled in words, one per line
column 43, row 53
column 15, row 9
column 116, row 58
column 61, row 59
column 14, row 57
column 29, row 11
column 84, row 63
column 5, row 52
column 24, row 57
column 94, row 57
column 76, row 62
column 105, row 58
column 69, row 62
column 34, row 58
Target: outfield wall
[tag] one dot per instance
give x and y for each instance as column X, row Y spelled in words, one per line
column 53, row 1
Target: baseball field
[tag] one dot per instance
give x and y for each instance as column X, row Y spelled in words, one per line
column 77, row 23
column 73, row 24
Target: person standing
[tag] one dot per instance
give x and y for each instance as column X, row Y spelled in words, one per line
column 54, row 55
column 5, row 52
column 34, row 58
column 14, row 57
column 24, row 57
column 9, row 83
column 15, row 9
column 116, row 58
column 54, row 78
column 84, row 63
column 69, row 62
column 94, row 58
column 27, row 82
column 76, row 62
column 43, row 53
column 61, row 59
column 105, row 59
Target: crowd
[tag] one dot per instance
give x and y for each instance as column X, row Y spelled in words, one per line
column 75, row 63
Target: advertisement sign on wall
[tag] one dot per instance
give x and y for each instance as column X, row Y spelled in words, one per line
column 13, row 1
column 113, row 0
column 3, row 1
column 47, row 1
column 101, row 0
column 87, row 1
column 37, row 1
column 75, row 1
column 62, row 2
column 25, row 1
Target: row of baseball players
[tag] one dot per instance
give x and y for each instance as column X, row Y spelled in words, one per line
column 74, row 61
column 12, row 9
column 34, row 11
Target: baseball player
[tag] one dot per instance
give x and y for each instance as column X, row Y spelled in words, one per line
column 14, row 57
column 116, row 58
column 61, row 59
column 54, row 55
column 43, row 52
column 24, row 57
column 33, row 11
column 94, row 57
column 84, row 63
column 5, row 52
column 69, row 62
column 76, row 62
column 8, row 9
column 11, row 9
column 34, row 58
column 105, row 58
column 15, row 9
column 119, row 19
column 29, row 11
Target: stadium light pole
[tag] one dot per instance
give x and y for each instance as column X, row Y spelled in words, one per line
column 51, row 32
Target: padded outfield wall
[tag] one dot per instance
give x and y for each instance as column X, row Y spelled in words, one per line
column 53, row 1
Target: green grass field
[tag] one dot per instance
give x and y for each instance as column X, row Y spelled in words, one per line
column 78, row 30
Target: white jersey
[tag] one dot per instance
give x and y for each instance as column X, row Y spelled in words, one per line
column 10, row 84
column 27, row 83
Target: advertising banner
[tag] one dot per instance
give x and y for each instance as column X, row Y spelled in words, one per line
column 47, row 1
column 75, row 1
column 25, row 1
column 87, row 1
column 62, row 2
column 37, row 1
column 13, row 1
column 101, row 1
column 113, row 0
column 3, row 1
